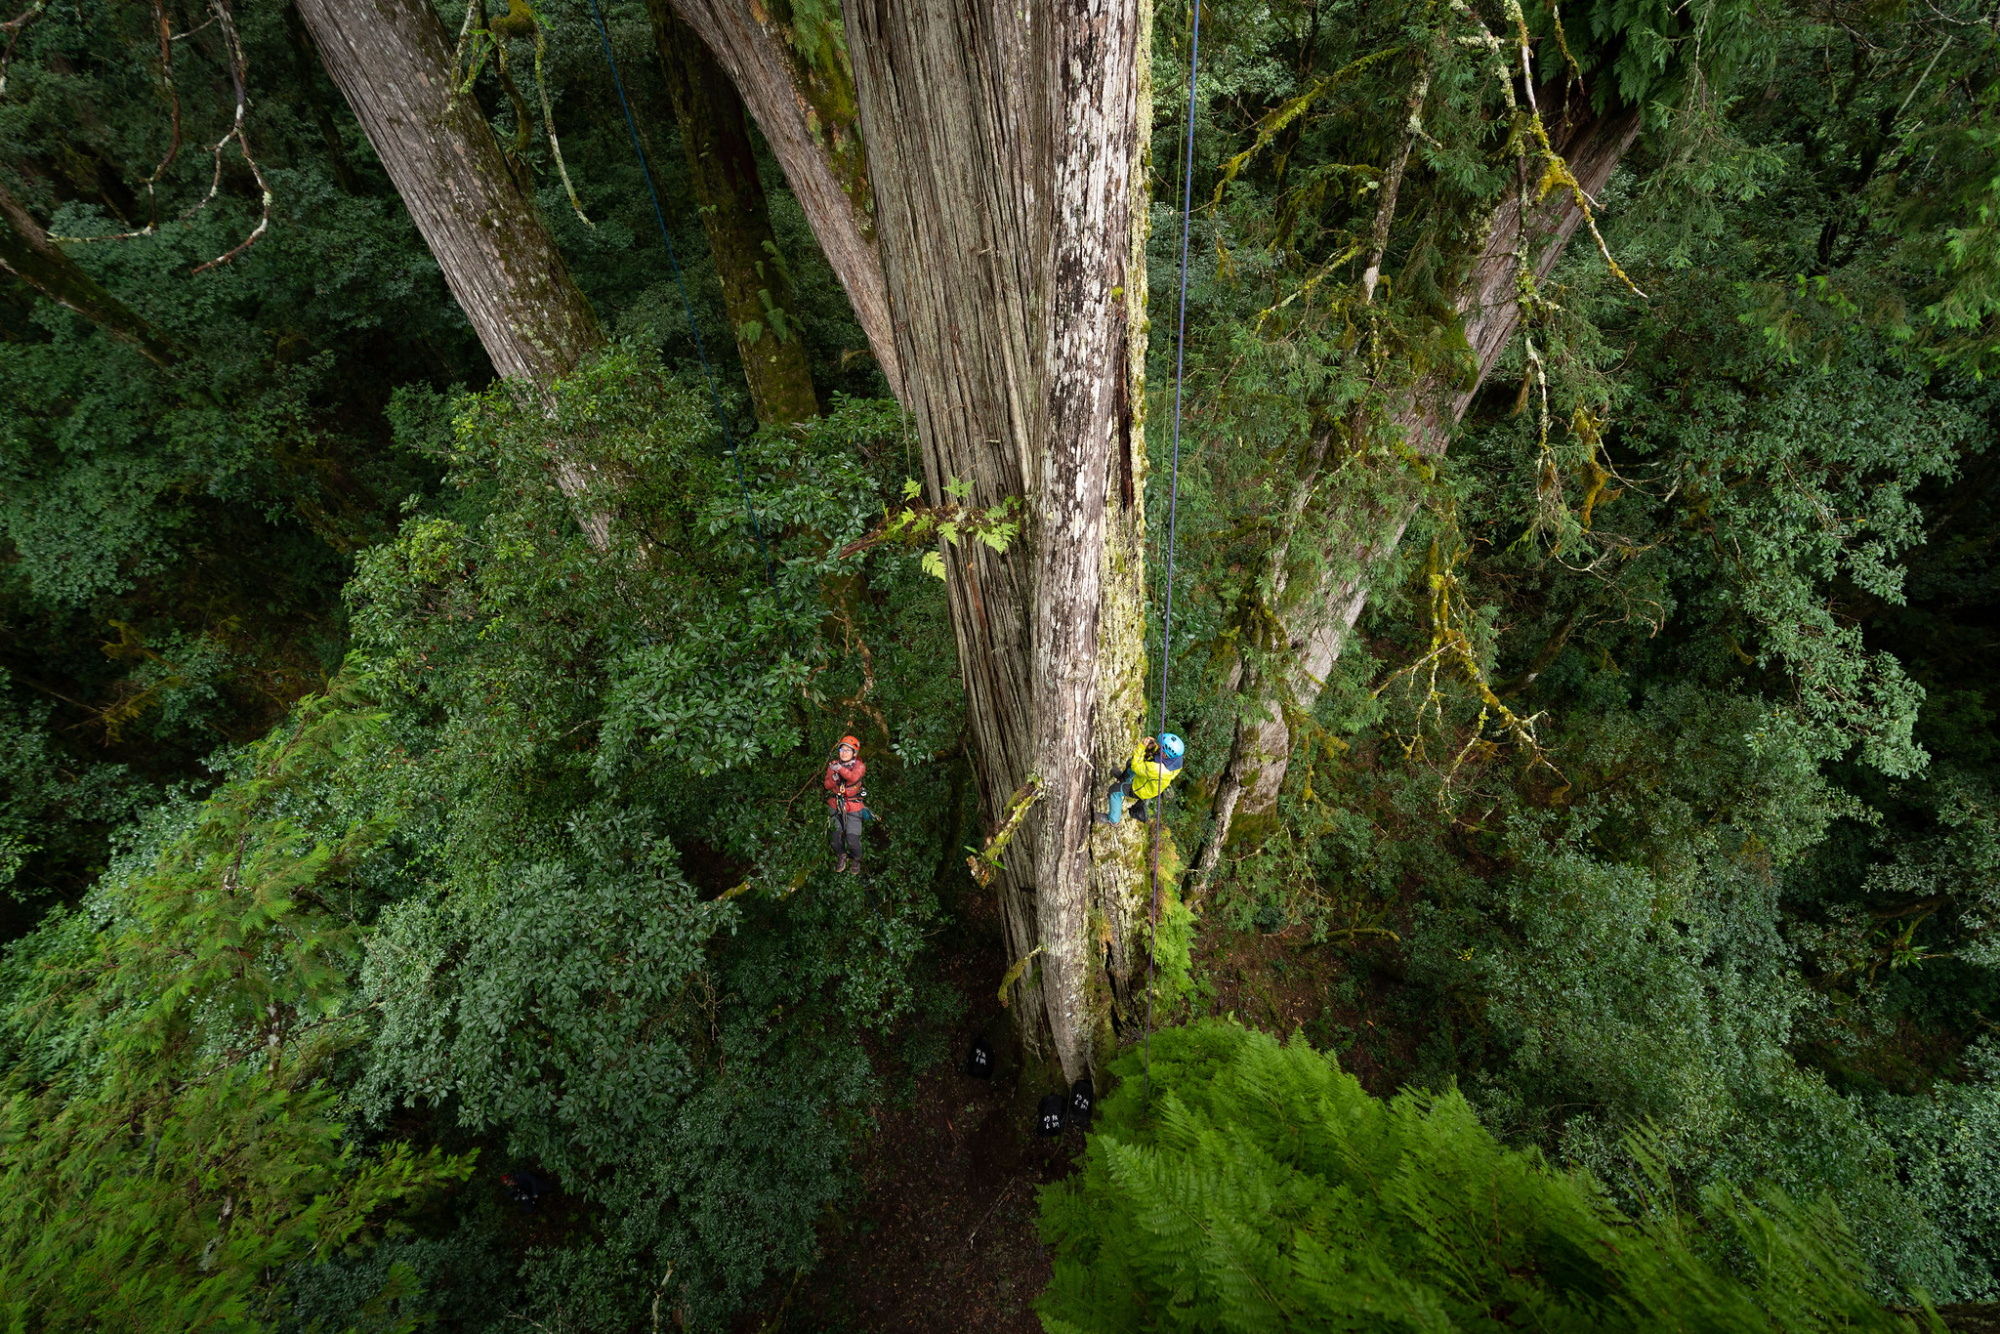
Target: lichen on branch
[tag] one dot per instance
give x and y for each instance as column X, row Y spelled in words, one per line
column 985, row 863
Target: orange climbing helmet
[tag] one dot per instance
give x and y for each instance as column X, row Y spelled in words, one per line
column 852, row 741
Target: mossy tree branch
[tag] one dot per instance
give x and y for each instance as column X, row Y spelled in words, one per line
column 756, row 285
column 28, row 254
column 799, row 86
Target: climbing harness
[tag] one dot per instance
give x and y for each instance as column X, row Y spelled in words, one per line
column 845, row 791
column 1173, row 511
column 687, row 307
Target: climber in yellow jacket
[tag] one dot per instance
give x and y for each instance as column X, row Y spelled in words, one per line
column 1155, row 764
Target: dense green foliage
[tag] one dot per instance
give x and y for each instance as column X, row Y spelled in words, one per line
column 1736, row 574
column 176, row 1034
column 1237, row 1184
column 471, row 907
column 366, row 833
column 177, row 539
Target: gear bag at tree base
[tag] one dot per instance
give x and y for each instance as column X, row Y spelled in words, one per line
column 1082, row 1097
column 979, row 1061
column 1049, row 1118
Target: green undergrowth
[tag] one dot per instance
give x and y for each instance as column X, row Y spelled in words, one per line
column 1248, row 1185
column 541, row 882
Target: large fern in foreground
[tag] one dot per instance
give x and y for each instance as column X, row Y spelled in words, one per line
column 1263, row 1189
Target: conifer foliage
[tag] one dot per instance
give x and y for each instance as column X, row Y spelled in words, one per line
column 1264, row 1189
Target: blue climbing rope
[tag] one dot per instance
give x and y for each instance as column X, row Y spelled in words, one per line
column 1173, row 514
column 660, row 217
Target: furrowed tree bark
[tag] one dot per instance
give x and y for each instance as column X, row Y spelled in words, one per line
column 1090, row 549
column 994, row 228
column 1006, row 148
column 1316, row 620
column 392, row 62
column 806, row 109
column 756, row 288
column 28, row 254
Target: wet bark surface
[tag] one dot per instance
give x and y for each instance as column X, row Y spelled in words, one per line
column 808, row 118
column 756, row 287
column 392, row 62
column 991, row 236
column 1003, row 145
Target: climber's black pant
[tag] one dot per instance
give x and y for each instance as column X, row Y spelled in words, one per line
column 1135, row 807
column 845, row 825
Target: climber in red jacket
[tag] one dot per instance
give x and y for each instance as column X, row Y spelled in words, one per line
column 845, row 806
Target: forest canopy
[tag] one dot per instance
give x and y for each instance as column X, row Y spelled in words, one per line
column 1503, row 494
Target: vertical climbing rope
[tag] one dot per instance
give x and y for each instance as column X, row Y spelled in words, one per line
column 1173, row 514
column 660, row 217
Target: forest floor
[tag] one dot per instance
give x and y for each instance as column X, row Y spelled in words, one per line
column 941, row 1234
column 1343, row 998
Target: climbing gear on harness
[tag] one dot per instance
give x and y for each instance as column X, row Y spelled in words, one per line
column 1153, row 768
column 846, row 805
column 843, row 780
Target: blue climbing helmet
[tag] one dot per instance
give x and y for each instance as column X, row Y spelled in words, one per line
column 1172, row 747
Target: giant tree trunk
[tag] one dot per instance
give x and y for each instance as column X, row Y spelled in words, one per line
column 1316, row 620
column 1006, row 147
column 1004, row 163
column 756, row 288
column 28, row 254
column 392, row 61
